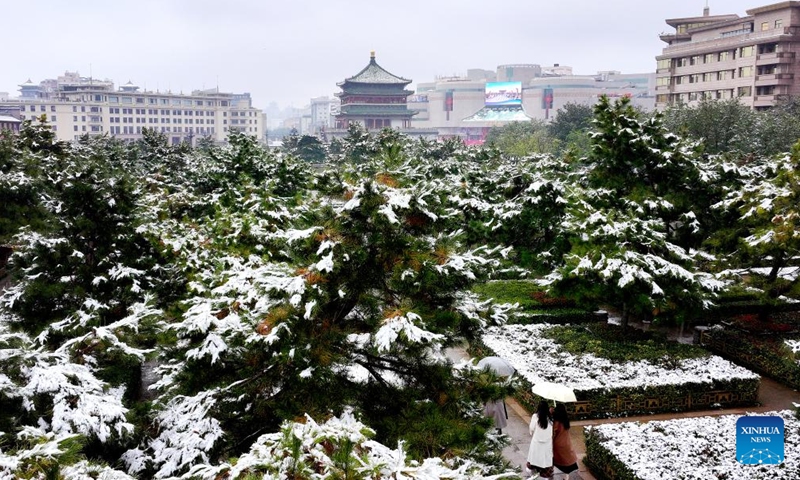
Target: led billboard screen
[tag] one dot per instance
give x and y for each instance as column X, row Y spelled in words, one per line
column 503, row 93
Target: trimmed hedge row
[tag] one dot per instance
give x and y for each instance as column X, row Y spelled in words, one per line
column 604, row 464
column 632, row 401
column 749, row 306
column 535, row 305
column 559, row 316
column 767, row 356
column 644, row 400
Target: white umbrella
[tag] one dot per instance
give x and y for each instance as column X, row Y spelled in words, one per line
column 496, row 364
column 554, row 391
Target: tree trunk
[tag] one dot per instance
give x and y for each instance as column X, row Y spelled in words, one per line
column 624, row 320
column 771, row 287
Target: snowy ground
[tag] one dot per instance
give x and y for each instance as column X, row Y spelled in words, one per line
column 695, row 448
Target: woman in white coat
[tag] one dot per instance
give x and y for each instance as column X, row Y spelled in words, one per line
column 540, row 453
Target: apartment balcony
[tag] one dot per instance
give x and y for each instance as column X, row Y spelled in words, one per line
column 765, row 100
column 775, row 79
column 776, row 57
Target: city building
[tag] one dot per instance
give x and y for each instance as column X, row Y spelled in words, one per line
column 7, row 122
column 752, row 58
column 374, row 98
column 460, row 106
column 76, row 106
column 323, row 114
column 544, row 96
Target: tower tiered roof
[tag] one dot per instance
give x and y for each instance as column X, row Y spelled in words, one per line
column 374, row 73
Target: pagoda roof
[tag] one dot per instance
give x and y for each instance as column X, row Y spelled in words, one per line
column 374, row 73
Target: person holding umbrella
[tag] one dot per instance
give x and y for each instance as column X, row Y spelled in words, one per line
column 496, row 409
column 540, row 453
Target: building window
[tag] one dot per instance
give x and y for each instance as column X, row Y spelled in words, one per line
column 53, row 119
column 52, row 108
column 765, row 90
column 664, row 63
column 764, row 26
column 708, row 58
column 722, row 56
column 746, row 51
column 765, row 70
column 746, row 71
column 745, row 91
column 767, row 48
column 779, row 23
column 662, row 98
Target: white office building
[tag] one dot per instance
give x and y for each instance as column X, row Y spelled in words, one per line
column 77, row 106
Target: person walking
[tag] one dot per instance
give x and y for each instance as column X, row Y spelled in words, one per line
column 540, row 453
column 564, row 457
column 496, row 410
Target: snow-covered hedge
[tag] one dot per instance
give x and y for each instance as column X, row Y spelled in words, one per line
column 686, row 448
column 607, row 388
column 767, row 355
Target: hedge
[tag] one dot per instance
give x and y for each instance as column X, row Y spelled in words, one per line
column 767, row 356
column 559, row 316
column 642, row 400
column 630, row 401
column 604, row 464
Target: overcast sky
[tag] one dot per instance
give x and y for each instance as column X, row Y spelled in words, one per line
column 290, row 51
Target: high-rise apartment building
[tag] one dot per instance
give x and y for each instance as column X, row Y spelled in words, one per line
column 76, row 106
column 752, row 58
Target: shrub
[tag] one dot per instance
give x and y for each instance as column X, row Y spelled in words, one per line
column 767, row 355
